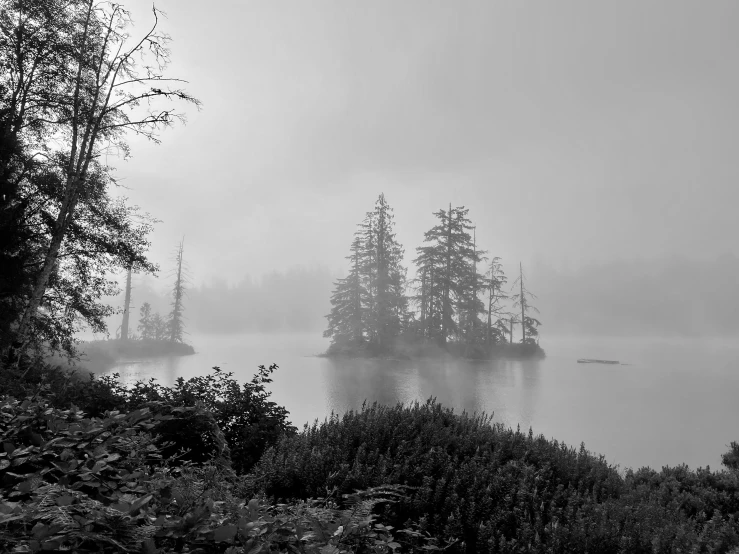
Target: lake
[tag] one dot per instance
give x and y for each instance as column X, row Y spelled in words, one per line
column 677, row 401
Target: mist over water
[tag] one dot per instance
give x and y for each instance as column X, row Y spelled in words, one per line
column 675, row 402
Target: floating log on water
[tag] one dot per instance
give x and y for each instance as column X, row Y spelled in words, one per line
column 589, row 361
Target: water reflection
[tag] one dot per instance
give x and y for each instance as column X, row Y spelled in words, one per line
column 675, row 404
column 165, row 370
column 505, row 388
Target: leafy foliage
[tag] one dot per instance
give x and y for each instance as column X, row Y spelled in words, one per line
column 236, row 417
column 70, row 482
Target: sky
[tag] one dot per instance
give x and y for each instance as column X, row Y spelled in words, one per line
column 576, row 132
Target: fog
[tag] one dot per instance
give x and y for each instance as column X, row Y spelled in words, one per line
column 595, row 139
column 667, row 297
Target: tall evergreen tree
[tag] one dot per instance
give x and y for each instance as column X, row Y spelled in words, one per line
column 176, row 324
column 370, row 304
column 390, row 301
column 346, row 321
column 446, row 262
column 145, row 326
column 471, row 305
column 522, row 300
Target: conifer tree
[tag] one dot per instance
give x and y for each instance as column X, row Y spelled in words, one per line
column 346, row 321
column 176, row 324
column 370, row 304
column 145, row 326
column 447, row 263
column 471, row 305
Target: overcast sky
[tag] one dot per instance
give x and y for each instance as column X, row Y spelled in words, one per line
column 579, row 131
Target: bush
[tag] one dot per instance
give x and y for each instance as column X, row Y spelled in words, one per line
column 250, row 423
column 498, row 490
column 83, row 484
column 242, row 415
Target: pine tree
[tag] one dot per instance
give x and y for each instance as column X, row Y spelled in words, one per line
column 389, row 300
column 471, row 306
column 145, row 326
column 522, row 300
column 370, row 305
column 176, row 324
column 446, row 264
column 159, row 327
column 346, row 321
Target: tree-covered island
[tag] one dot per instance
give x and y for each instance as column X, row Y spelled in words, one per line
column 455, row 305
column 157, row 335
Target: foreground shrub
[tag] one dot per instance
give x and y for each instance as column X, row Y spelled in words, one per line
column 240, row 414
column 249, row 421
column 498, row 490
column 70, row 482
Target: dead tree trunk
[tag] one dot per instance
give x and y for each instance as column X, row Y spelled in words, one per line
column 523, row 305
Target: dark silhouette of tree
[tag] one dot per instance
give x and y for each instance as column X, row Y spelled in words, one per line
column 445, row 266
column 145, row 326
column 346, row 321
column 176, row 323
column 369, row 305
column 471, row 307
column 384, row 273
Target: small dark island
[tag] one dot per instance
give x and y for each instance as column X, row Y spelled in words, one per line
column 106, row 353
column 158, row 335
column 450, row 309
column 402, row 350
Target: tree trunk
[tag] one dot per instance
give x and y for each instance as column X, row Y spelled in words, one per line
column 423, row 302
column 490, row 314
column 52, row 256
column 523, row 305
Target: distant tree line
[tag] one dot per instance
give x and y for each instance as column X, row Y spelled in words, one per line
column 455, row 296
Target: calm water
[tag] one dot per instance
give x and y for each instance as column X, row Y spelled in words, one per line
column 677, row 403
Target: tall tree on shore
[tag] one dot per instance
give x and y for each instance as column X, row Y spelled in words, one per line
column 522, row 301
column 446, row 261
column 471, row 305
column 71, row 84
column 346, row 321
column 176, row 324
column 370, row 303
column 386, row 256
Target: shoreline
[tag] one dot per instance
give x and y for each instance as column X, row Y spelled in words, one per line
column 452, row 351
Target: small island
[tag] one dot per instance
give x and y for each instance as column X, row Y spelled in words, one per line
column 450, row 308
column 157, row 336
